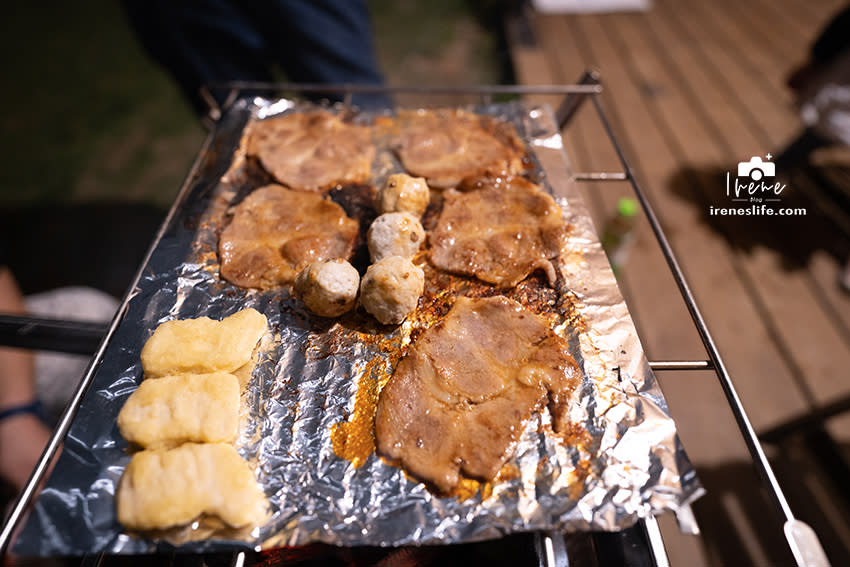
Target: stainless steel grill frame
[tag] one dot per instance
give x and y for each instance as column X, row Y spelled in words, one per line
column 550, row 548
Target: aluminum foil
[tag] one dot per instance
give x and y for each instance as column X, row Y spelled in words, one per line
column 324, row 483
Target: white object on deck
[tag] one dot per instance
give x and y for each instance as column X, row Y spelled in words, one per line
column 590, row 6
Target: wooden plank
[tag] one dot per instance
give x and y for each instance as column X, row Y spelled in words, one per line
column 725, row 301
column 696, row 400
column 775, row 118
column 777, row 124
column 529, row 60
column 824, row 270
column 772, row 29
column 572, row 134
column 674, row 137
column 759, row 29
column 744, row 540
column 747, row 76
column 736, row 48
column 785, row 21
column 648, row 298
column 758, row 296
column 569, row 57
column 589, row 150
column 787, row 297
column 810, row 14
column 664, row 326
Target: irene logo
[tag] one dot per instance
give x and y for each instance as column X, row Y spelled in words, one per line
column 755, row 184
column 754, row 188
column 755, row 169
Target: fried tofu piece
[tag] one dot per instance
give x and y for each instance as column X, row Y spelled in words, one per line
column 203, row 345
column 165, row 488
column 182, row 408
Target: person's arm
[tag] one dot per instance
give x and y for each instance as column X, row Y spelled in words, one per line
column 23, row 435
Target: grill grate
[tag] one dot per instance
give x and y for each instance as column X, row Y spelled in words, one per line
column 641, row 545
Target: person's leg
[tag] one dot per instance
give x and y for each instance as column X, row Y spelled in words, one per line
column 322, row 41
column 23, row 435
column 200, row 42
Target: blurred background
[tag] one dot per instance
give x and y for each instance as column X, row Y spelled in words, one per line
column 96, row 137
column 97, row 141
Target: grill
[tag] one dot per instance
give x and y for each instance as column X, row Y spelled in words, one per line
column 639, row 545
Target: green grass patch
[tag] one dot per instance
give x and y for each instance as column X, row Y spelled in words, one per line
column 76, row 88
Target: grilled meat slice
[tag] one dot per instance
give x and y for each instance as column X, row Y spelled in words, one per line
column 457, row 403
column 446, row 146
column 500, row 231
column 276, row 232
column 312, row 151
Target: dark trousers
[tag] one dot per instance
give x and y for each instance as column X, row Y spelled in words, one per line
column 208, row 42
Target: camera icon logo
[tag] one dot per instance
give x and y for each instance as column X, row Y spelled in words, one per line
column 756, row 169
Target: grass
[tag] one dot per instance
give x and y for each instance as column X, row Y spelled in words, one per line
column 88, row 117
column 85, row 110
column 441, row 42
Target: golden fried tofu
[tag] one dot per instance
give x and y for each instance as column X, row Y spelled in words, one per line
column 203, row 345
column 185, row 407
column 165, row 488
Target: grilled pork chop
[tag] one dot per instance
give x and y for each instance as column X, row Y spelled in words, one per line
column 276, row 232
column 445, row 146
column 458, row 401
column 500, row 231
column 312, row 151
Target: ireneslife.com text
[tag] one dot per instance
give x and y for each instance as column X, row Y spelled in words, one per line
column 755, row 210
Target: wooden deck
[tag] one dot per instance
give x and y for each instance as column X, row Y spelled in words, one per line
column 693, row 88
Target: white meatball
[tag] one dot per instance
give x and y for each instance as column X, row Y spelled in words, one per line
column 395, row 234
column 390, row 289
column 404, row 193
column 328, row 288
